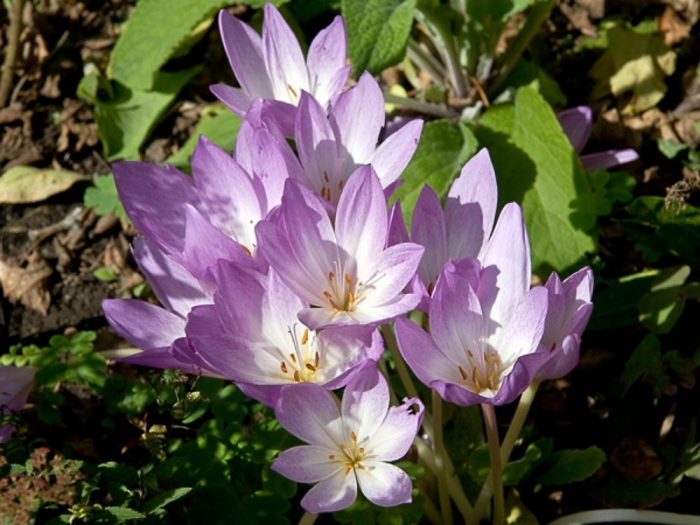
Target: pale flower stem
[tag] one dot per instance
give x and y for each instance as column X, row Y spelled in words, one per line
column 439, row 449
column 496, row 465
column 427, row 457
column 392, row 395
column 427, row 108
column 308, row 519
column 514, row 429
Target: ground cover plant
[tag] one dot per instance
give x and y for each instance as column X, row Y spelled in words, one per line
column 349, row 262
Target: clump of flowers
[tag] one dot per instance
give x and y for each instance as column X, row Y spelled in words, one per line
column 279, row 268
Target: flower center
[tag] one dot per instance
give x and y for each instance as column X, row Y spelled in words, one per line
column 352, row 455
column 344, row 290
column 327, row 188
column 483, row 372
column 303, row 363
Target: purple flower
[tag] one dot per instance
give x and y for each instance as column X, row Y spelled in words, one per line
column 187, row 225
column 577, row 123
column 485, row 325
column 332, row 146
column 159, row 332
column 273, row 67
column 251, row 335
column 343, row 271
column 349, row 446
column 569, row 310
column 15, row 384
column 460, row 231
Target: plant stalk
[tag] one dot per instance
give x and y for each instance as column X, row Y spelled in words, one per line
column 308, row 519
column 13, row 33
column 439, row 449
column 496, row 464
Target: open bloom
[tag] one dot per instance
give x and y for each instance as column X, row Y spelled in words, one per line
column 332, row 146
column 569, row 310
column 460, row 231
column 485, row 325
column 252, row 336
column 350, row 446
column 344, row 270
column 15, row 384
column 577, row 123
column 272, row 67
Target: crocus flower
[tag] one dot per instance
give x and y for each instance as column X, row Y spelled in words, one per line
column 211, row 215
column 485, row 325
column 272, row 67
column 332, row 146
column 349, row 446
column 569, row 310
column 577, row 123
column 460, row 231
column 157, row 332
column 344, row 270
column 251, row 335
column 15, row 384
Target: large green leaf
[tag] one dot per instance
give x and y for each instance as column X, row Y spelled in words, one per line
column 377, row 32
column 537, row 166
column 570, row 466
column 217, row 123
column 444, row 148
column 153, row 32
column 126, row 120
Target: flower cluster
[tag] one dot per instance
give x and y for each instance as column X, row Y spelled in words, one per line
column 276, row 266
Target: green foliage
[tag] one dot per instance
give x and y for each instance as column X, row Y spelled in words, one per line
column 569, row 466
column 611, row 187
column 152, row 33
column 660, row 230
column 126, row 120
column 103, row 197
column 635, row 62
column 443, row 149
column 616, row 300
column 377, row 32
column 218, row 123
column 660, row 308
column 537, row 166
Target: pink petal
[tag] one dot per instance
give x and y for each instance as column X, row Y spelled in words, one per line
column 384, row 484
column 471, row 207
column 361, row 219
column 143, row 324
column 393, row 155
column 284, row 60
column 358, row 115
column 236, row 99
column 394, row 437
column 365, row 404
column 334, row 493
column 310, row 412
column 306, row 463
column 243, row 48
column 326, row 58
column 577, row 124
column 429, row 231
column 509, row 251
column 608, row 159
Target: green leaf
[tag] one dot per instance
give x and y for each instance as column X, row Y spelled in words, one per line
column 529, row 74
column 104, row 274
column 153, row 32
column 645, row 360
column 24, row 184
column 659, row 230
column 537, row 166
column 165, row 498
column 377, row 32
column 444, row 148
column 635, row 62
column 616, row 301
column 671, row 148
column 610, row 187
column 123, row 514
column 570, row 466
column 125, row 121
column 661, row 307
column 103, row 197
column 218, row 123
